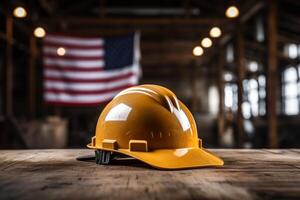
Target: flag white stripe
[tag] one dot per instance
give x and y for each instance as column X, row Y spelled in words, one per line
column 84, row 98
column 74, row 41
column 73, row 63
column 51, row 73
column 89, row 86
column 75, row 52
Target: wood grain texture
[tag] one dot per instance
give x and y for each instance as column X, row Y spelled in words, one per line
column 56, row 174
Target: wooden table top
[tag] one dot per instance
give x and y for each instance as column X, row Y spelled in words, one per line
column 56, row 174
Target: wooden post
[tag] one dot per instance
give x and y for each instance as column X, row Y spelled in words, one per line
column 240, row 63
column 8, row 90
column 221, row 120
column 31, row 78
column 272, row 74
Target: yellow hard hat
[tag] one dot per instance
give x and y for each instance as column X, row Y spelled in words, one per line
column 149, row 123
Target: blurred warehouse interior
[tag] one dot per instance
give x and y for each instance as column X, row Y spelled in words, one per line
column 235, row 64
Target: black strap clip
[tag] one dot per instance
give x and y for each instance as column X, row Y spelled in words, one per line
column 103, row 157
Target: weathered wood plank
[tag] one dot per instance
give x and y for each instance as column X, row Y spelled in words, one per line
column 56, row 174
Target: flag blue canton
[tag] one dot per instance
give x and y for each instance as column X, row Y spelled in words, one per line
column 119, row 52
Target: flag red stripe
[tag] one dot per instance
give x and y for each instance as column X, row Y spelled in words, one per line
column 96, row 92
column 102, row 80
column 72, row 46
column 68, row 65
column 72, row 57
column 61, row 34
column 73, row 69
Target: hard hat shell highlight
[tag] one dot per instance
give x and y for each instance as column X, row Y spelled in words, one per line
column 149, row 123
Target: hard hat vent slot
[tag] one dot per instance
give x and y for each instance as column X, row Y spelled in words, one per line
column 109, row 144
column 138, row 145
column 199, row 143
column 94, row 141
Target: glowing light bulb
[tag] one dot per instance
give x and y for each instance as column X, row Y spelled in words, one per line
column 228, row 76
column 61, row 51
column 206, row 42
column 232, row 12
column 39, row 32
column 198, row 51
column 215, row 32
column 20, row 12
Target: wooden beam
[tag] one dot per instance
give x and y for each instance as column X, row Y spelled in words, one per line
column 147, row 33
column 168, row 46
column 228, row 35
column 162, row 63
column 272, row 73
column 176, row 71
column 151, row 59
column 102, row 8
column 248, row 13
column 287, row 37
column 260, row 50
column 240, row 64
column 292, row 3
column 286, row 19
column 254, row 9
column 31, row 78
column 183, row 53
column 47, row 6
column 8, row 90
column 187, row 7
column 142, row 21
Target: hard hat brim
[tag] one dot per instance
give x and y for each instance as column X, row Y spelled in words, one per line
column 175, row 158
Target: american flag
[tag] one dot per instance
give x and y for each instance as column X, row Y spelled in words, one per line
column 88, row 71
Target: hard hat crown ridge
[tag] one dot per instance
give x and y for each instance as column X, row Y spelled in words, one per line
column 149, row 123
